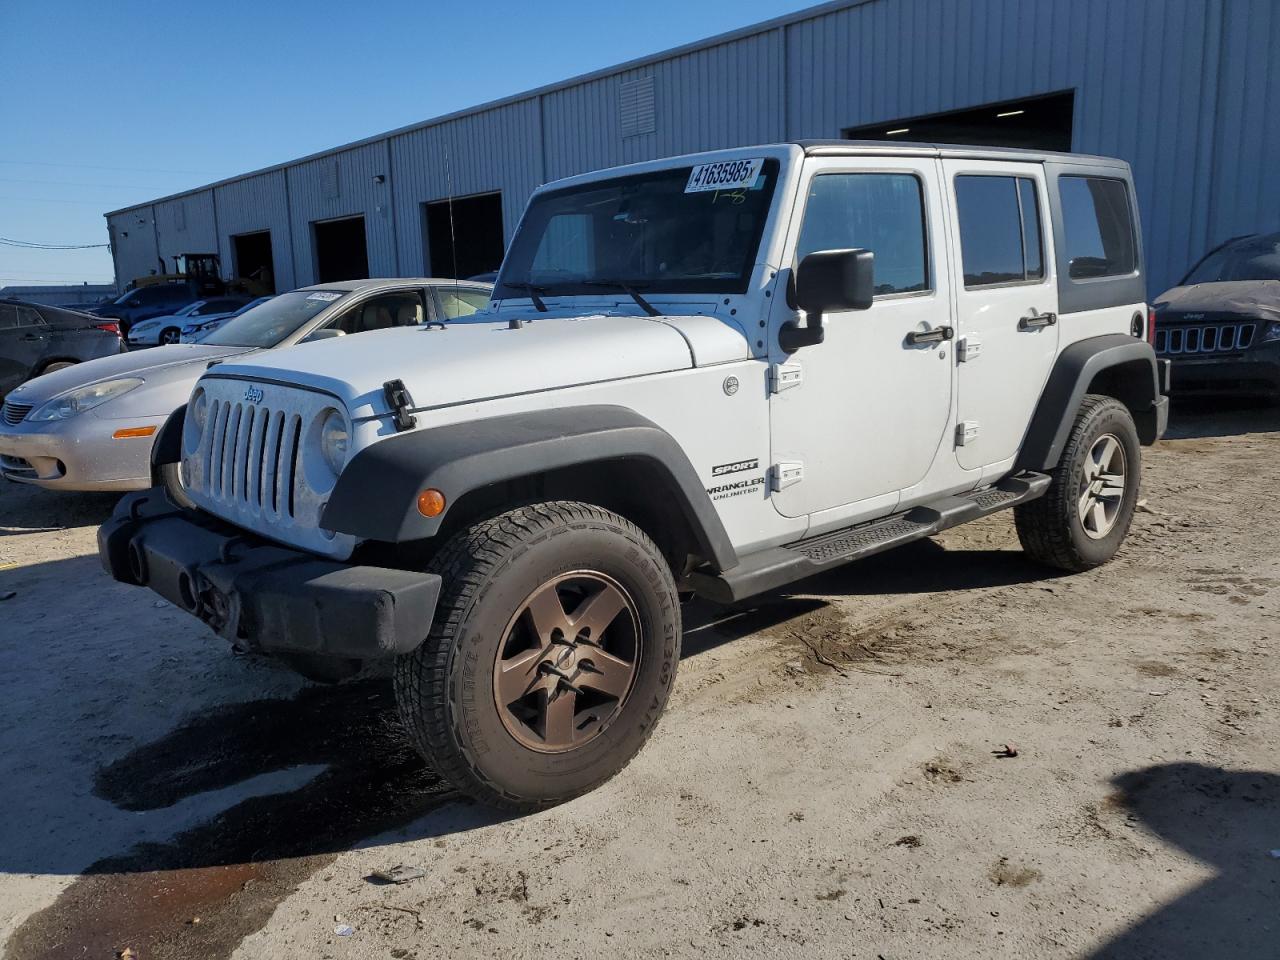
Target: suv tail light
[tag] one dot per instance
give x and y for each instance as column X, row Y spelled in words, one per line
column 110, row 327
column 1151, row 325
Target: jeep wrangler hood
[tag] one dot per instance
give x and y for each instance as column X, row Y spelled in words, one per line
column 465, row 362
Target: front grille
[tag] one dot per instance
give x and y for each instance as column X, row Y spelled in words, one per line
column 1173, row 341
column 256, row 463
column 15, row 412
column 252, row 457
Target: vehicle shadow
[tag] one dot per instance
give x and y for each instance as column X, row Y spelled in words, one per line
column 1203, row 418
column 28, row 509
column 1225, row 818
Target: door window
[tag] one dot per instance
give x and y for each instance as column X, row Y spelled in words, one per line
column 29, row 318
column 1097, row 220
column 460, row 303
column 381, row 313
column 880, row 212
column 8, row 316
column 1000, row 239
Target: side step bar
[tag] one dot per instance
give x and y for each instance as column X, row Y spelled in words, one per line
column 778, row 566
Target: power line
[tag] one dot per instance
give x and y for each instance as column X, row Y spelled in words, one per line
column 98, row 166
column 94, row 203
column 36, row 245
column 77, row 183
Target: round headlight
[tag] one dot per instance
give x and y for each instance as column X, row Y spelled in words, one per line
column 200, row 410
column 335, row 438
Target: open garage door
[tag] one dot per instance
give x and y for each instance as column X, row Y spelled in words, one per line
column 1036, row 123
column 469, row 243
column 251, row 258
column 342, row 253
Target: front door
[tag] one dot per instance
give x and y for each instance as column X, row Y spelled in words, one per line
column 863, row 414
column 1006, row 305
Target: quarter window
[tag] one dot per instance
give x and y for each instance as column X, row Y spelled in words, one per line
column 1000, row 238
column 460, row 303
column 880, row 212
column 1097, row 220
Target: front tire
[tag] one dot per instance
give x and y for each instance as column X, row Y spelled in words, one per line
column 551, row 656
column 1080, row 523
column 169, row 336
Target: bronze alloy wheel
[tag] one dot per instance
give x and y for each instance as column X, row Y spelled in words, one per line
column 567, row 662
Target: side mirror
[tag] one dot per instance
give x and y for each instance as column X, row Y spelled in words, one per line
column 825, row 281
column 324, row 333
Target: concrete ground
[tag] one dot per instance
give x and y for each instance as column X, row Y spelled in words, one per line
column 830, row 779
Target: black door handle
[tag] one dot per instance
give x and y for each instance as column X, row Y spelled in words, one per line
column 1037, row 320
column 33, row 336
column 936, row 335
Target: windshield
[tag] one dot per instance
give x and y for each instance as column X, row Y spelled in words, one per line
column 1255, row 258
column 268, row 323
column 664, row 232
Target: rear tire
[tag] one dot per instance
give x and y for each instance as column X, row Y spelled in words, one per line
column 551, row 656
column 1082, row 520
column 168, row 336
column 58, row 365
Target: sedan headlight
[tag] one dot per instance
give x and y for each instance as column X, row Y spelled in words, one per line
column 84, row 398
column 335, row 439
column 1271, row 332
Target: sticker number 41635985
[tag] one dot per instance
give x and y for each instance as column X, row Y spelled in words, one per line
column 725, row 175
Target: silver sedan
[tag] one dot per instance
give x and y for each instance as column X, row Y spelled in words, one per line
column 92, row 426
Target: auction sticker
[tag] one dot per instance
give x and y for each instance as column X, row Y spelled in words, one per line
column 325, row 296
column 724, row 175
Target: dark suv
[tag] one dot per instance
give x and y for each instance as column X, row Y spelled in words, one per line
column 1221, row 325
column 145, row 303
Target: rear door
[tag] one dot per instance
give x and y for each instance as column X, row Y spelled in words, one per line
column 24, row 341
column 1006, row 304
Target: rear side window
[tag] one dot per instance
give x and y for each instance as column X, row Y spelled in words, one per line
column 1097, row 222
column 456, row 303
column 1000, row 238
column 8, row 316
column 880, row 212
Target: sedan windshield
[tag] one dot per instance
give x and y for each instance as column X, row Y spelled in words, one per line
column 664, row 232
column 271, row 322
column 1254, row 258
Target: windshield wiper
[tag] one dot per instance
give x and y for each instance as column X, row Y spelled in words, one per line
column 626, row 288
column 533, row 290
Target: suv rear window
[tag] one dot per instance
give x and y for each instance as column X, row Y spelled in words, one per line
column 1097, row 220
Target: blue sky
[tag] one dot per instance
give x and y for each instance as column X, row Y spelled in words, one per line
column 104, row 103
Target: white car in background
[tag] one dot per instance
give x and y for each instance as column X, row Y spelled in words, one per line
column 201, row 326
column 168, row 329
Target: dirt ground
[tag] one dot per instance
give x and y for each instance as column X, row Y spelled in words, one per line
column 829, row 781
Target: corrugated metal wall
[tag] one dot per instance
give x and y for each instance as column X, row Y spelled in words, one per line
column 1187, row 91
column 133, row 244
column 343, row 184
column 186, row 225
column 253, row 204
column 497, row 149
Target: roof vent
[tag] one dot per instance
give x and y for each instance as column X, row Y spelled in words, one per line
column 635, row 103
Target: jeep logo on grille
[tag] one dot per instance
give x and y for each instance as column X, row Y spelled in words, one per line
column 253, row 395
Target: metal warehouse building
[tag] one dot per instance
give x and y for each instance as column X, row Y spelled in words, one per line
column 1188, row 91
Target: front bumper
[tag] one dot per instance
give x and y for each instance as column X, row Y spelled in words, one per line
column 78, row 453
column 266, row 597
column 1256, row 373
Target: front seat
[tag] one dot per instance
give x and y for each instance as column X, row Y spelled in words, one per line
column 409, row 314
column 374, row 316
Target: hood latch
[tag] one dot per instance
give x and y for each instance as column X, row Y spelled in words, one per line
column 401, row 403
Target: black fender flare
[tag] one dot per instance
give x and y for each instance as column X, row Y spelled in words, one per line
column 168, row 443
column 1134, row 379
column 376, row 495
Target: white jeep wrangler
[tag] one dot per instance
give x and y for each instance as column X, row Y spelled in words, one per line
column 717, row 373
